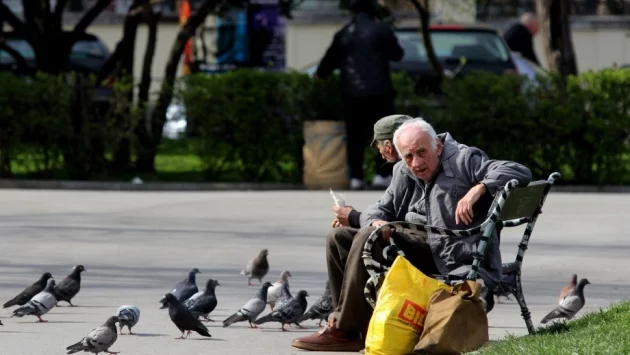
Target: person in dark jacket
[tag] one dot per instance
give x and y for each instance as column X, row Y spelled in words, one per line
column 520, row 36
column 362, row 50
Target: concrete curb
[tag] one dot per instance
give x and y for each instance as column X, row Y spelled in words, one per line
column 147, row 186
column 185, row 186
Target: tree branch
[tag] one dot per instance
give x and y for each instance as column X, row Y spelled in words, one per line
column 423, row 15
column 58, row 14
column 14, row 21
column 91, row 15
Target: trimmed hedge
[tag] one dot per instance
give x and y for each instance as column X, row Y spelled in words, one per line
column 250, row 122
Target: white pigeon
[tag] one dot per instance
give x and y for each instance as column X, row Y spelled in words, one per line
column 39, row 304
column 98, row 340
column 129, row 316
column 570, row 305
column 275, row 291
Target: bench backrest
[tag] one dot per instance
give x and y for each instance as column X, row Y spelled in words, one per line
column 523, row 201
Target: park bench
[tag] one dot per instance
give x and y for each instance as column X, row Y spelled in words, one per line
column 512, row 206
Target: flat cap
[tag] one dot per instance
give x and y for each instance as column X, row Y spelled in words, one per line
column 386, row 126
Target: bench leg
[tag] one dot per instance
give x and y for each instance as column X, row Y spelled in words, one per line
column 520, row 297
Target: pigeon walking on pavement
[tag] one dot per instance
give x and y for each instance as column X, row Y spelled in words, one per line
column 285, row 296
column 98, row 340
column 275, row 291
column 29, row 292
column 183, row 319
column 203, row 303
column 69, row 287
column 40, row 304
column 184, row 289
column 257, row 267
column 570, row 305
column 321, row 309
column 289, row 313
column 129, row 316
column 251, row 310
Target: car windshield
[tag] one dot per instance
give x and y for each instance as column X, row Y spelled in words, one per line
column 452, row 45
column 81, row 49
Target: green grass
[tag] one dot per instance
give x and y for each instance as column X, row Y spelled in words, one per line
column 600, row 332
column 177, row 161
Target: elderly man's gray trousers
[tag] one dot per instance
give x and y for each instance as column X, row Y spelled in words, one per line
column 347, row 273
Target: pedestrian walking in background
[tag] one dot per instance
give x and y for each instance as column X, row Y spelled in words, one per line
column 362, row 50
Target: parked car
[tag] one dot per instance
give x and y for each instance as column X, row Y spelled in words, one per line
column 482, row 46
column 88, row 55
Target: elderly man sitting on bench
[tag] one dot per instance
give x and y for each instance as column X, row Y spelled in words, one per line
column 438, row 182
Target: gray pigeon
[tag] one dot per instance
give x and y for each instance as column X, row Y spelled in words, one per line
column 184, row 289
column 69, row 287
column 98, row 340
column 183, row 319
column 203, row 303
column 29, row 292
column 129, row 316
column 252, row 309
column 40, row 304
column 285, row 296
column 275, row 291
column 257, row 268
column 289, row 313
column 320, row 309
column 570, row 305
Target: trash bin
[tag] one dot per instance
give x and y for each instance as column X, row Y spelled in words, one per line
column 325, row 162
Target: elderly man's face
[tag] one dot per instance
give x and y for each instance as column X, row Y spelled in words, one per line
column 387, row 150
column 418, row 153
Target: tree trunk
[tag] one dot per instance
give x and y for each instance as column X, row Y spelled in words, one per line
column 149, row 140
column 555, row 29
column 423, row 7
column 143, row 127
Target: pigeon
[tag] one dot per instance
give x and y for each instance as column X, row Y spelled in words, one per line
column 129, row 316
column 566, row 290
column 184, row 289
column 98, row 340
column 275, row 291
column 257, row 268
column 252, row 309
column 29, row 292
column 321, row 309
column 570, row 305
column 203, row 303
column 40, row 304
column 183, row 319
column 285, row 296
column 69, row 287
column 289, row 313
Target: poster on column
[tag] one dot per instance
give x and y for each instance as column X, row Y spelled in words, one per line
column 232, row 39
column 266, row 35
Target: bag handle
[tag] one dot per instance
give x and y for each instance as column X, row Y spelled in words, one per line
column 468, row 289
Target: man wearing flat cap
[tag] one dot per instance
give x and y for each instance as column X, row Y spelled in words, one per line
column 384, row 130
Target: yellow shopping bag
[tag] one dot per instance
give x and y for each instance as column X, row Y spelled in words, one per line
column 400, row 310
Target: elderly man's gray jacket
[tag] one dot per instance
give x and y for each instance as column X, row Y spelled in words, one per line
column 461, row 167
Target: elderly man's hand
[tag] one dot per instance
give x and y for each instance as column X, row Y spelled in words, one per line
column 378, row 223
column 336, row 223
column 464, row 210
column 342, row 214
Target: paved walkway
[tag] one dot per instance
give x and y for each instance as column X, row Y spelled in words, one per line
column 136, row 245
